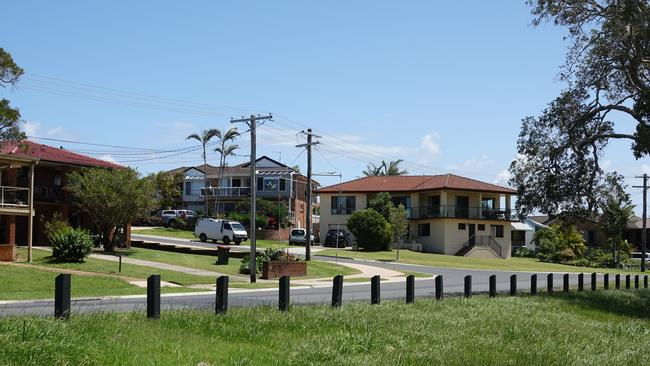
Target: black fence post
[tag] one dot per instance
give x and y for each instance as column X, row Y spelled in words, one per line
column 627, row 282
column 493, row 285
column 636, row 282
column 645, row 281
column 565, row 284
column 375, row 290
column 549, row 283
column 221, row 303
column 513, row 285
column 468, row 286
column 594, row 281
column 62, row 290
column 533, row 284
column 410, row 289
column 284, row 295
column 606, row 281
column 153, row 297
column 581, row 282
column 617, row 281
column 440, row 293
column 337, row 292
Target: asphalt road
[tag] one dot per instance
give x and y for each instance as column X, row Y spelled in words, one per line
column 453, row 284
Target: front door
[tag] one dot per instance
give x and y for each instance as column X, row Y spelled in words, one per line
column 472, row 232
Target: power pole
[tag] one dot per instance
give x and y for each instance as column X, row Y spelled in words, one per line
column 252, row 125
column 308, row 222
column 645, row 217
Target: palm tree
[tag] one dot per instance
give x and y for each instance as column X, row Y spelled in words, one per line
column 204, row 137
column 225, row 150
column 385, row 168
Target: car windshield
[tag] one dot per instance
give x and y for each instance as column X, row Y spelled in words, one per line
column 237, row 226
column 298, row 233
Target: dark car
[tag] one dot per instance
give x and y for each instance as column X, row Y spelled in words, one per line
column 340, row 236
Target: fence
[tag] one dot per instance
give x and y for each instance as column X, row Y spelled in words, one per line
column 62, row 297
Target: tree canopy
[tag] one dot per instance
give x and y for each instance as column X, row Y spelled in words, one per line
column 385, row 168
column 112, row 198
column 168, row 187
column 607, row 77
column 9, row 116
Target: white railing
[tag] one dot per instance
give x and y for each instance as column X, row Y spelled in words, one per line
column 225, row 191
column 14, row 197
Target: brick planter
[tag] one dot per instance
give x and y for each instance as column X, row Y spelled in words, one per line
column 271, row 270
column 7, row 252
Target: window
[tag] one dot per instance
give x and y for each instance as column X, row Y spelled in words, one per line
column 462, row 206
column 462, row 226
column 424, row 229
column 343, row 205
column 481, row 227
column 518, row 237
column 236, row 182
column 260, row 183
column 404, row 201
column 488, row 208
column 497, row 231
column 188, row 188
column 283, row 184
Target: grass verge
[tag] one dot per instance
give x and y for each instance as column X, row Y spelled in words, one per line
column 450, row 261
column 186, row 234
column 603, row 328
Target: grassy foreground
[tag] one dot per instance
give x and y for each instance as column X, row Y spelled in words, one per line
column 451, row 261
column 604, row 328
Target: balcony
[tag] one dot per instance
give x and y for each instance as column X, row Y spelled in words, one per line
column 226, row 192
column 14, row 197
column 455, row 212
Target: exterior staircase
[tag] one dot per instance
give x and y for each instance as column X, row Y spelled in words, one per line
column 482, row 241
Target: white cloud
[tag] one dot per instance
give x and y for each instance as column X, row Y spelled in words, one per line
column 503, row 177
column 108, row 158
column 429, row 144
column 31, row 128
column 472, row 165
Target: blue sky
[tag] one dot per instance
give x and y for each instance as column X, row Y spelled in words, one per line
column 443, row 85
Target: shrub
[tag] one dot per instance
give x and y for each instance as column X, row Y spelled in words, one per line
column 69, row 244
column 524, row 252
column 245, row 266
column 560, row 243
column 371, row 230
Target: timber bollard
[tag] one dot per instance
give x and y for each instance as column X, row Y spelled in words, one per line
column 627, row 282
column 153, row 297
column 565, row 284
column 468, row 286
column 439, row 290
column 606, row 281
column 337, row 292
column 533, row 284
column 581, row 282
column 410, row 289
column 375, row 290
column 549, row 283
column 636, row 282
column 493, row 285
column 617, row 280
column 221, row 303
column 62, row 289
column 284, row 295
column 594, row 281
column 513, row 285
column 645, row 281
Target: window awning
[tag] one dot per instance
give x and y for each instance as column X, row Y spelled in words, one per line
column 520, row 226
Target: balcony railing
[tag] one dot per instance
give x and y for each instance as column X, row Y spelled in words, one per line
column 226, row 191
column 15, row 197
column 451, row 211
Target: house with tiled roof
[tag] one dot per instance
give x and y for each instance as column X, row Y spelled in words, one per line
column 33, row 177
column 448, row 214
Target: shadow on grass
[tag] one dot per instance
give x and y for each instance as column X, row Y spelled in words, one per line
column 631, row 303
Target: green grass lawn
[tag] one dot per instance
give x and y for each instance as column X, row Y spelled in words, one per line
column 186, row 234
column 42, row 258
column 20, row 283
column 604, row 328
column 439, row 260
column 314, row 268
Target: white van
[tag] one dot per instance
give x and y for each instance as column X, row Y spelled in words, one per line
column 220, row 230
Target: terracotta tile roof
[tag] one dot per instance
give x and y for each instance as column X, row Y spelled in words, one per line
column 52, row 154
column 411, row 183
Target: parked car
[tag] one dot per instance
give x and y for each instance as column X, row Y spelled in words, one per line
column 220, row 230
column 297, row 237
column 341, row 236
column 168, row 217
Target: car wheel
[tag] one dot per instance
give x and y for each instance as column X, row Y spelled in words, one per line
column 203, row 238
column 237, row 241
column 226, row 240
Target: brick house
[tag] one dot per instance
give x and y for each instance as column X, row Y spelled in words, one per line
column 51, row 166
